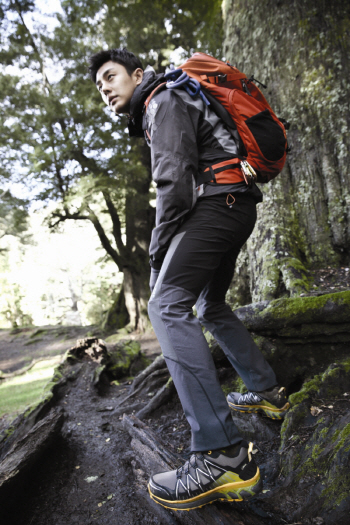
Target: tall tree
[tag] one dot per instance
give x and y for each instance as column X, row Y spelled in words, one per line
column 56, row 135
column 301, row 49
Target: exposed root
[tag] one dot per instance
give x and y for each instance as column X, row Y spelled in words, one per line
column 157, row 364
column 162, row 396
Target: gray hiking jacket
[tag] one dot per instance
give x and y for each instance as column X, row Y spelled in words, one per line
column 185, row 136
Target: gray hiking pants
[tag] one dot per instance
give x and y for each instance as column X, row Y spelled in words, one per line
column 197, row 270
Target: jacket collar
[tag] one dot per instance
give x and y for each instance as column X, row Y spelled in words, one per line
column 149, row 82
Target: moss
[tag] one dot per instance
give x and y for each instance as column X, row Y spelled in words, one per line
column 237, row 385
column 122, row 357
column 316, row 451
column 57, row 376
column 337, row 490
column 324, row 432
column 293, row 418
column 114, row 338
column 346, row 365
column 309, row 388
column 329, row 380
column 296, row 461
column 8, row 432
column 342, row 436
column 284, row 308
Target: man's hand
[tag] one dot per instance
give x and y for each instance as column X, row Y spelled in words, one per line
column 153, row 278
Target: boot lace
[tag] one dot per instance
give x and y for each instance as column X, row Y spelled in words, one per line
column 250, row 398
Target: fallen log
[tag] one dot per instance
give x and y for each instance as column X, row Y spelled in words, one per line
column 17, row 466
column 142, row 433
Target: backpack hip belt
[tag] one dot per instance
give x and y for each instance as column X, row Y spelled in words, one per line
column 226, row 172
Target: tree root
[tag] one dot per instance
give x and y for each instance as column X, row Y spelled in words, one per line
column 155, row 378
column 158, row 363
column 162, row 396
column 4, row 375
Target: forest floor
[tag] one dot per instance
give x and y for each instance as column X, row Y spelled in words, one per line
column 91, row 474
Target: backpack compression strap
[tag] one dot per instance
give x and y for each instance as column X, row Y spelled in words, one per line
column 220, row 78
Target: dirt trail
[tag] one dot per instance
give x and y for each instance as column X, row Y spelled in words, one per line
column 90, row 475
column 87, row 478
column 19, row 347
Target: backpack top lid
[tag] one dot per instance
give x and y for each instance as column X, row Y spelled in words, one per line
column 210, row 69
column 215, row 75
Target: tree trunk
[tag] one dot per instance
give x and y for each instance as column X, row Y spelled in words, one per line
column 139, row 221
column 301, row 50
column 136, row 291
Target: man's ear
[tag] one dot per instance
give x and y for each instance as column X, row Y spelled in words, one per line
column 138, row 75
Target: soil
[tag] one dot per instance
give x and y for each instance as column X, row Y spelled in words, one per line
column 330, row 280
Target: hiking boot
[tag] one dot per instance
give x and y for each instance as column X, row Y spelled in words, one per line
column 273, row 402
column 222, row 475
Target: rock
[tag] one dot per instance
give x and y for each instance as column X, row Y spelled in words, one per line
column 253, row 428
column 122, row 356
column 301, row 315
column 300, row 336
column 315, row 449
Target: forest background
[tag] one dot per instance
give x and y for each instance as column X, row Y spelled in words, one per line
column 77, row 201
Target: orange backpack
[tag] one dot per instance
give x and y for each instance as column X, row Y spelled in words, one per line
column 264, row 143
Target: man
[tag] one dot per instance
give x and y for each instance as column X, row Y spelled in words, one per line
column 193, row 251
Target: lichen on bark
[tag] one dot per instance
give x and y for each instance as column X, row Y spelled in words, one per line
column 300, row 49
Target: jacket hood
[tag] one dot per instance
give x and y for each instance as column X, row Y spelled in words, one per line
column 149, row 82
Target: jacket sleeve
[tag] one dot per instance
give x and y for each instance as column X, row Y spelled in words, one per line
column 172, row 125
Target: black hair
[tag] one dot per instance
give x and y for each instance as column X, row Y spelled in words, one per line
column 121, row 56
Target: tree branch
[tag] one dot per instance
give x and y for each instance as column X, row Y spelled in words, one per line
column 117, row 234
column 46, row 83
column 105, row 241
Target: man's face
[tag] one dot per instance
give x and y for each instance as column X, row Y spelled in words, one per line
column 117, row 86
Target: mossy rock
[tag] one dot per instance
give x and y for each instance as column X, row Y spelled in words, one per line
column 235, row 385
column 333, row 383
column 315, row 445
column 299, row 335
column 121, row 358
column 298, row 311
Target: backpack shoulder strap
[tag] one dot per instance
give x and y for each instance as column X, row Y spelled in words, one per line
column 151, row 95
column 220, row 110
